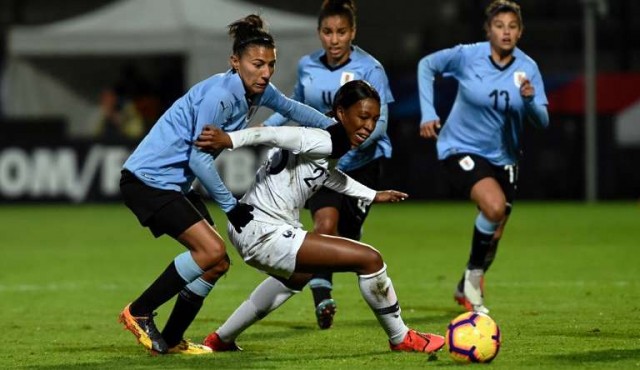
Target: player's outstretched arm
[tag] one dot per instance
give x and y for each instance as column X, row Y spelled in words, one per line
column 312, row 142
column 389, row 196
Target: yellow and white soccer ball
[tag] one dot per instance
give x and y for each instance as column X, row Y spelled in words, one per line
column 473, row 337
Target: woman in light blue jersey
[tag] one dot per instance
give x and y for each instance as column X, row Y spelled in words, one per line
column 157, row 177
column 320, row 75
column 500, row 89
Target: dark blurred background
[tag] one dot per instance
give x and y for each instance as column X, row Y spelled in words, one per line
column 397, row 33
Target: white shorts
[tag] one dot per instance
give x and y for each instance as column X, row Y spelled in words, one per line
column 268, row 247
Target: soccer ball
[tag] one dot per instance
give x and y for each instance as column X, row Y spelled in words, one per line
column 473, row 337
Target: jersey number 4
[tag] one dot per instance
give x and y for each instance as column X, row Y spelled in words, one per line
column 496, row 95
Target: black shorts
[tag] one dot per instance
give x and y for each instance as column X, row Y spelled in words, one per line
column 465, row 170
column 352, row 211
column 162, row 211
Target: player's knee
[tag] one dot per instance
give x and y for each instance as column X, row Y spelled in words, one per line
column 218, row 270
column 213, row 255
column 325, row 225
column 495, row 211
column 372, row 261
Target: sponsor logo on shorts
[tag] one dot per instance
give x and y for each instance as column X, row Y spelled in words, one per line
column 466, row 163
column 288, row 234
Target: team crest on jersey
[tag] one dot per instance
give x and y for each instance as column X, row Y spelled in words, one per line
column 466, row 163
column 518, row 77
column 346, row 77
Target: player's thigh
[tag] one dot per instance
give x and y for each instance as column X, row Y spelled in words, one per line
column 495, row 194
column 201, row 238
column 464, row 171
column 324, row 206
column 323, row 253
column 477, row 179
column 489, row 197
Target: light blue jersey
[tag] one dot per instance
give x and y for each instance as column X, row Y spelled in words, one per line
column 167, row 159
column 489, row 113
column 317, row 85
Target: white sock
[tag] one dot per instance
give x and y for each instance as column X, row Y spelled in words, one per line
column 377, row 290
column 472, row 286
column 266, row 297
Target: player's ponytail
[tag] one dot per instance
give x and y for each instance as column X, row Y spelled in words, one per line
column 249, row 31
column 345, row 8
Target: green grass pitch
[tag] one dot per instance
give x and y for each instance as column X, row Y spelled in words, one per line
column 564, row 290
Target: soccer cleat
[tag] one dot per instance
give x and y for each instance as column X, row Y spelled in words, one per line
column 325, row 312
column 145, row 330
column 459, row 297
column 419, row 342
column 186, row 347
column 216, row 344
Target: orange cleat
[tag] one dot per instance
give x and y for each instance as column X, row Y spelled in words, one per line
column 214, row 342
column 419, row 342
column 145, row 331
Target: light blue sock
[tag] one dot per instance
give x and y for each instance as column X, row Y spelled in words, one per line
column 320, row 283
column 200, row 287
column 486, row 226
column 187, row 267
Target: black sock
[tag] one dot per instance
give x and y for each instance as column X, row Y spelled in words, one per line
column 491, row 254
column 167, row 285
column 479, row 247
column 461, row 283
column 185, row 310
column 322, row 293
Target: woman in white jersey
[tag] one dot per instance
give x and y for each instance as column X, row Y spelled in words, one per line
column 274, row 241
column 320, row 75
column 499, row 90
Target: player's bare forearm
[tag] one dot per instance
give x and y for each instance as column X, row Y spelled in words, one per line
column 390, row 196
column 212, row 139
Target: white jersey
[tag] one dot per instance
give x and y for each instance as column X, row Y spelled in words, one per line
column 295, row 169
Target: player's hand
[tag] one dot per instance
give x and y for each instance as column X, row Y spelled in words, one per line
column 390, row 196
column 430, row 129
column 526, row 89
column 240, row 216
column 212, row 139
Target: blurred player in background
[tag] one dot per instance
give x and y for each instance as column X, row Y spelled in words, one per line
column 320, row 75
column 156, row 183
column 500, row 88
column 274, row 241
